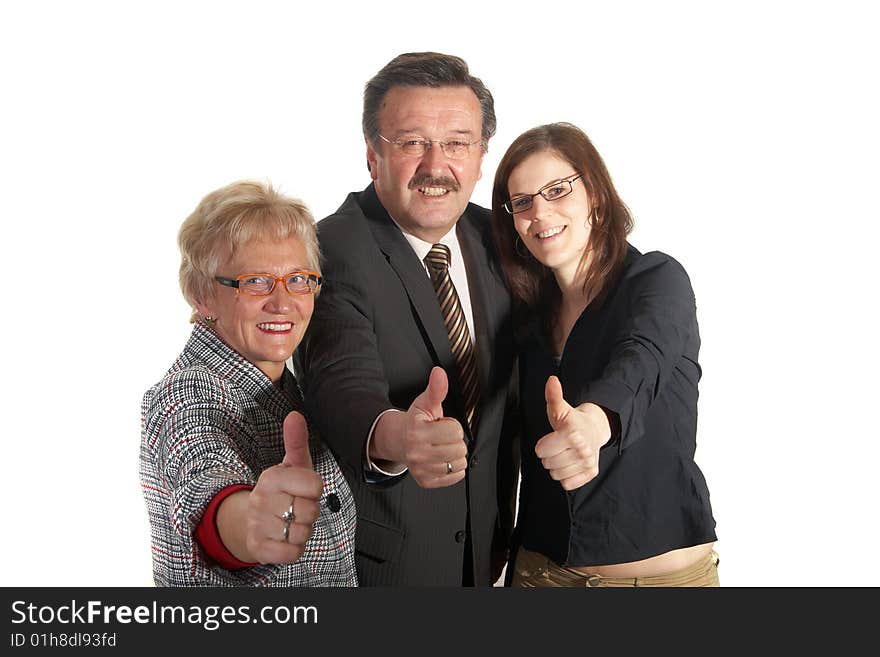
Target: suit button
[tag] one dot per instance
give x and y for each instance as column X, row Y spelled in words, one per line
column 474, row 461
column 333, row 502
column 459, row 536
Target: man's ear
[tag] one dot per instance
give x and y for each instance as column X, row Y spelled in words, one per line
column 371, row 159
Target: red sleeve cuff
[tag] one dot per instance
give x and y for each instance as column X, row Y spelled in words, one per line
column 209, row 538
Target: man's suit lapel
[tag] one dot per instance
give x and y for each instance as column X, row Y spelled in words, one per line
column 412, row 274
column 481, row 290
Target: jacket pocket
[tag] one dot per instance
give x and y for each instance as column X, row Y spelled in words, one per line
column 377, row 541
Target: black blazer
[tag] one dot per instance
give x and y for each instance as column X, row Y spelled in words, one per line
column 375, row 335
column 635, row 354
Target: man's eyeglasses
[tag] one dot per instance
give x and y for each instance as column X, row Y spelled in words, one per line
column 262, row 285
column 552, row 192
column 454, row 149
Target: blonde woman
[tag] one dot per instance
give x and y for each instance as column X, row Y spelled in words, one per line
column 237, row 493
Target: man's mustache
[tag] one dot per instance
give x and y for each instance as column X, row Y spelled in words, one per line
column 427, row 180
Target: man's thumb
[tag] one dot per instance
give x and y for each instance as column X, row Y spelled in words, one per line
column 430, row 402
column 296, row 441
column 557, row 407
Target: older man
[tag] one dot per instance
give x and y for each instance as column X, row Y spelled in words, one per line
column 409, row 357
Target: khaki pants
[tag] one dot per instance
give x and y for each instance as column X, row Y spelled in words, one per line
column 533, row 570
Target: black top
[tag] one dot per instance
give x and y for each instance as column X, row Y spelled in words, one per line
column 636, row 355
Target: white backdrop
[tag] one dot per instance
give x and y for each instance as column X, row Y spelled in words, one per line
column 744, row 138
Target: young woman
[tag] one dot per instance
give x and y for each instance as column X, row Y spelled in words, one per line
column 610, row 495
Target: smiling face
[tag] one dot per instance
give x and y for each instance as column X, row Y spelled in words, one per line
column 266, row 329
column 426, row 194
column 555, row 232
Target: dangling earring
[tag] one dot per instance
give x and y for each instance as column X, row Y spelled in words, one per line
column 517, row 243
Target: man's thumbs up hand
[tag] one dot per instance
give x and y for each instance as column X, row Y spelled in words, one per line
column 434, row 448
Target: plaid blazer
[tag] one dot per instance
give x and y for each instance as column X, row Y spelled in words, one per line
column 215, row 420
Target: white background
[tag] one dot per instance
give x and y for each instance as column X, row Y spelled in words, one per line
column 744, row 138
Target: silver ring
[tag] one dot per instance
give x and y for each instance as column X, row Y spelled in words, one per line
column 288, row 517
column 448, row 467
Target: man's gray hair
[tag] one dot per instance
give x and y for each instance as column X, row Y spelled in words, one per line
column 425, row 69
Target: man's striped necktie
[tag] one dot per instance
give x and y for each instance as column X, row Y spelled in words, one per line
column 456, row 326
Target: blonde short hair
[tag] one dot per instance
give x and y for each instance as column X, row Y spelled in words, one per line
column 230, row 217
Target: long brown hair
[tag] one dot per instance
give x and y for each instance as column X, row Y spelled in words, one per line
column 531, row 283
